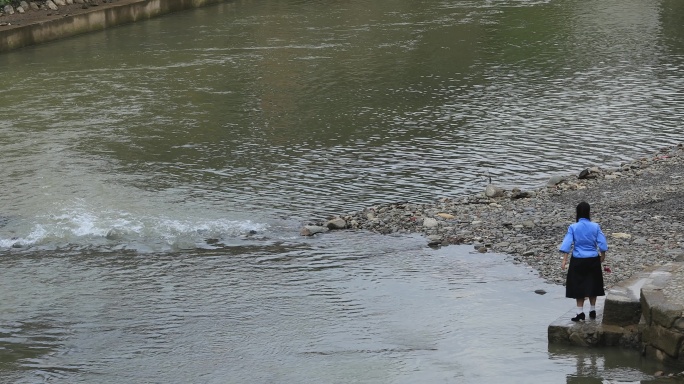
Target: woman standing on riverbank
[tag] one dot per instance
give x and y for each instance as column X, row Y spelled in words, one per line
column 589, row 246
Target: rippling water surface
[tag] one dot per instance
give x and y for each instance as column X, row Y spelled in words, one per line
column 154, row 176
column 351, row 308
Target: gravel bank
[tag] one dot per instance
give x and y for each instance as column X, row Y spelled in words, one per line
column 640, row 206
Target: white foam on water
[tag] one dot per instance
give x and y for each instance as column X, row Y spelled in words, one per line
column 82, row 226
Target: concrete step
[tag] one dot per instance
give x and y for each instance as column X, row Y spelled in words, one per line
column 619, row 315
column 623, row 301
column 583, row 333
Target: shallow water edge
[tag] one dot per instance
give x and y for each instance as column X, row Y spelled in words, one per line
column 639, row 206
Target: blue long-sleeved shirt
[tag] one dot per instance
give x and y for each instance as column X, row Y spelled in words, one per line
column 586, row 236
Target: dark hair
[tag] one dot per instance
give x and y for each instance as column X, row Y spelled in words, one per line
column 583, row 211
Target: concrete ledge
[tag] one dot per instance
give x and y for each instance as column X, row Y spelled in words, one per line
column 105, row 16
column 645, row 312
column 623, row 302
column 591, row 333
column 582, row 333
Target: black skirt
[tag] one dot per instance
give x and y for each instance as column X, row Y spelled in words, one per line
column 585, row 278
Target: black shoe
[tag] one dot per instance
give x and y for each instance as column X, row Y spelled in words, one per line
column 592, row 314
column 580, row 316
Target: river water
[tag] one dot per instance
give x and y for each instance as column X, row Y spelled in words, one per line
column 154, row 178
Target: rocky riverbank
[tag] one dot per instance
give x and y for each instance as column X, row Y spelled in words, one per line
column 640, row 206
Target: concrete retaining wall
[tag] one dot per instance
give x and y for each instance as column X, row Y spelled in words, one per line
column 662, row 325
column 93, row 20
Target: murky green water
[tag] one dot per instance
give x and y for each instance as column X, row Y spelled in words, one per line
column 153, row 178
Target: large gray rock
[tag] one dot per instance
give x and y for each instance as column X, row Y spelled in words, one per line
column 310, row 230
column 60, row 3
column 115, row 234
column 555, row 180
column 336, row 223
column 494, row 191
column 589, row 173
column 51, row 5
column 516, row 193
column 9, row 9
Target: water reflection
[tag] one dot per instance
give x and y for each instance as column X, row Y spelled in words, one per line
column 25, row 345
column 612, row 365
column 267, row 106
